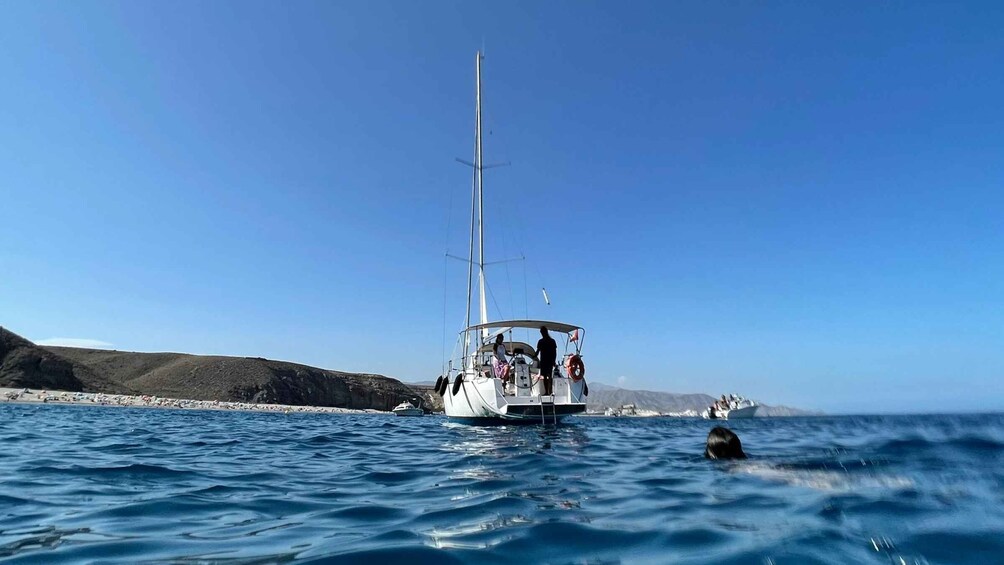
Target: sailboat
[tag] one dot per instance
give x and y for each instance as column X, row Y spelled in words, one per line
column 477, row 385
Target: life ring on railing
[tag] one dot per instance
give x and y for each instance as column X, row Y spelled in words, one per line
column 456, row 383
column 575, row 368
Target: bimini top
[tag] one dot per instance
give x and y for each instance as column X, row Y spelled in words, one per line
column 511, row 347
column 560, row 327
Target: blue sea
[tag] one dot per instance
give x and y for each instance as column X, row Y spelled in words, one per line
column 119, row 485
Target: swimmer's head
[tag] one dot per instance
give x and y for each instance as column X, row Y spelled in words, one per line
column 723, row 444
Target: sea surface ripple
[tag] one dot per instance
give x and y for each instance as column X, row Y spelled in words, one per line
column 120, row 485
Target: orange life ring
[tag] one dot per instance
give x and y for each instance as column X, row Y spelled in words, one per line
column 575, row 367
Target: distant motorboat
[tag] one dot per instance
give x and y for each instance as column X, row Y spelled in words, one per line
column 407, row 409
column 748, row 411
column 734, row 407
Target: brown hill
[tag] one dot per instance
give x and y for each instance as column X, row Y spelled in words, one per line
column 239, row 379
column 26, row 365
column 198, row 377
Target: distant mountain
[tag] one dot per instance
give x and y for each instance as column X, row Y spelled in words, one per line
column 603, row 396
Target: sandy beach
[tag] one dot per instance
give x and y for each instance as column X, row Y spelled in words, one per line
column 32, row 396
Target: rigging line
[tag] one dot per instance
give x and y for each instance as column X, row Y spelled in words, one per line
column 526, row 305
column 521, row 231
column 505, row 253
column 513, row 259
column 449, row 225
column 512, row 303
column 445, row 278
column 540, row 278
column 487, row 263
column 449, row 222
column 495, row 302
column 507, row 234
column 474, row 188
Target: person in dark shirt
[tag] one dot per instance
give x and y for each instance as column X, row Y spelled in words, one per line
column 547, row 354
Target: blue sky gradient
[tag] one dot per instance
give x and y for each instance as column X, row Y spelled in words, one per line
column 802, row 203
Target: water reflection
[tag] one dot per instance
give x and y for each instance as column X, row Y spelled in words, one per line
column 509, row 441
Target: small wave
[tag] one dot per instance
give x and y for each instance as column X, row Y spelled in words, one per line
column 977, row 545
column 822, row 479
column 139, row 470
column 367, row 513
column 391, row 477
column 8, row 500
column 201, row 443
column 41, row 538
column 912, row 446
column 387, row 555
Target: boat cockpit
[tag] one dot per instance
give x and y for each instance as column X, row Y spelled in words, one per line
column 523, row 375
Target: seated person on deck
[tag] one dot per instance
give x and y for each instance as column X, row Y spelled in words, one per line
column 499, row 362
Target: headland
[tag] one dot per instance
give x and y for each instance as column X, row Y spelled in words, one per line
column 243, row 381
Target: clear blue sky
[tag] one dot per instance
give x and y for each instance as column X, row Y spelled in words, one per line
column 801, row 202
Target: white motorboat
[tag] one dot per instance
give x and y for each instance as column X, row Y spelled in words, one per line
column 733, row 407
column 748, row 411
column 407, row 409
column 476, row 390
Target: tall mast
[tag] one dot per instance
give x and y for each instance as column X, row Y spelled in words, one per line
column 474, row 214
column 479, row 168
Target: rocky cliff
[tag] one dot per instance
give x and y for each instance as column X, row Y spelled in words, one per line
column 26, row 365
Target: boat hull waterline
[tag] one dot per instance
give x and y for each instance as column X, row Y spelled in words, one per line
column 482, row 401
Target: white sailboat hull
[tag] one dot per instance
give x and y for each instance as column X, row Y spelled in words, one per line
column 482, row 400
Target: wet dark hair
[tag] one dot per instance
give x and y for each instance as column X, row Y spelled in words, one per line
column 543, row 330
column 723, row 444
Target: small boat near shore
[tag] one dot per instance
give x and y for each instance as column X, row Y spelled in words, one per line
column 408, row 409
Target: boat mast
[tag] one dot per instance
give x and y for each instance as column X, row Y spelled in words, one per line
column 477, row 213
column 479, row 168
column 474, row 209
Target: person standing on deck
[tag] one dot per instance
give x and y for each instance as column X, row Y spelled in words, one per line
column 547, row 354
